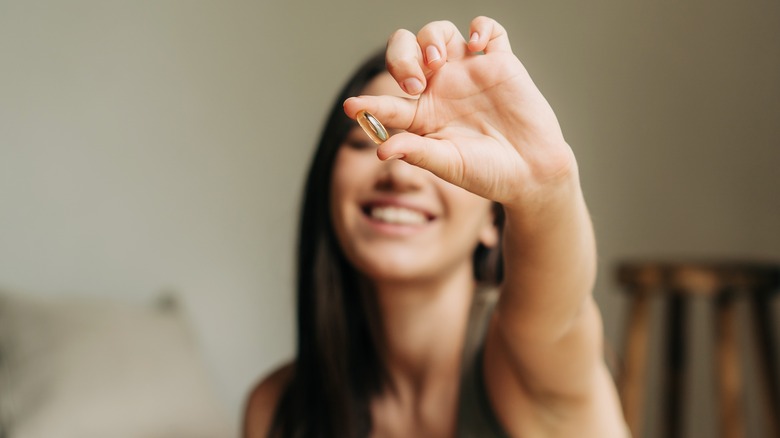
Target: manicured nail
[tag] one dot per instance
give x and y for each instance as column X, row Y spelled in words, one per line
column 394, row 157
column 432, row 53
column 474, row 37
column 413, row 85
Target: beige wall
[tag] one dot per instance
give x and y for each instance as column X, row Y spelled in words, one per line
column 162, row 145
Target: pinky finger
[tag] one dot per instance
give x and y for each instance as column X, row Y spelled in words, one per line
column 488, row 35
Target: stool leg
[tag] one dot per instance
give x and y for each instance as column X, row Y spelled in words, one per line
column 674, row 390
column 766, row 361
column 732, row 421
column 631, row 382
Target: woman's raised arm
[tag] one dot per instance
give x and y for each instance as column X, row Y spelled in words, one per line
column 482, row 124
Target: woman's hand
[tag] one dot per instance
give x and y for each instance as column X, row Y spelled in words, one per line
column 479, row 122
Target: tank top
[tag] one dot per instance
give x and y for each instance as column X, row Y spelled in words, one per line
column 476, row 418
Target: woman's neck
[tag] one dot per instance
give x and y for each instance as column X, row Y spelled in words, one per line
column 423, row 328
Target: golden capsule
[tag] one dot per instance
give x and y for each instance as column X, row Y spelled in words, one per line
column 371, row 125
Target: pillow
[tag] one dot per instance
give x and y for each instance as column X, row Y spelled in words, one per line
column 79, row 367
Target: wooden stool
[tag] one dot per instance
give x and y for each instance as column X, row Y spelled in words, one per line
column 721, row 283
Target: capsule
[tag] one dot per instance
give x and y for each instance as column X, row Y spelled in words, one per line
column 371, row 125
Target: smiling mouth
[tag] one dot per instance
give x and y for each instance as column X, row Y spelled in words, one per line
column 396, row 215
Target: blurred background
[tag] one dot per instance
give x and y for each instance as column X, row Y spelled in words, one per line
column 150, row 147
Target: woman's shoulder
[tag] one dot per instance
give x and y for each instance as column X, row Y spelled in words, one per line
column 262, row 401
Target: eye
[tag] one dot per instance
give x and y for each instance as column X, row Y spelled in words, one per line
column 357, row 140
column 359, row 144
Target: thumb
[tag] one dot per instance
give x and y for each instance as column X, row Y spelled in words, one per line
column 439, row 157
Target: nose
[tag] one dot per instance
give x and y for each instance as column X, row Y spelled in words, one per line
column 398, row 176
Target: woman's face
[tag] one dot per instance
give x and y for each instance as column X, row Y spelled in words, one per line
column 397, row 222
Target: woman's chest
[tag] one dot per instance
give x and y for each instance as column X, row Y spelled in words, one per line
column 434, row 417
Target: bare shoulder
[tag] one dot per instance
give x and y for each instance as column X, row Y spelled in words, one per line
column 262, row 401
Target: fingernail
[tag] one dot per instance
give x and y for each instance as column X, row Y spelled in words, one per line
column 474, row 37
column 413, row 85
column 432, row 53
column 394, row 157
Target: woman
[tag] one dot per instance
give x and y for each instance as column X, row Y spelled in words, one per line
column 394, row 337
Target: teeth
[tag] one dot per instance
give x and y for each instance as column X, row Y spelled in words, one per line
column 398, row 215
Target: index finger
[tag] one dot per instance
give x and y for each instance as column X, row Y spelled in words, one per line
column 393, row 112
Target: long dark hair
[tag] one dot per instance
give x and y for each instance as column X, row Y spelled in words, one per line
column 338, row 368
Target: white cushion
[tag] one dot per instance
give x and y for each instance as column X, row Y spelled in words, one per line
column 75, row 367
